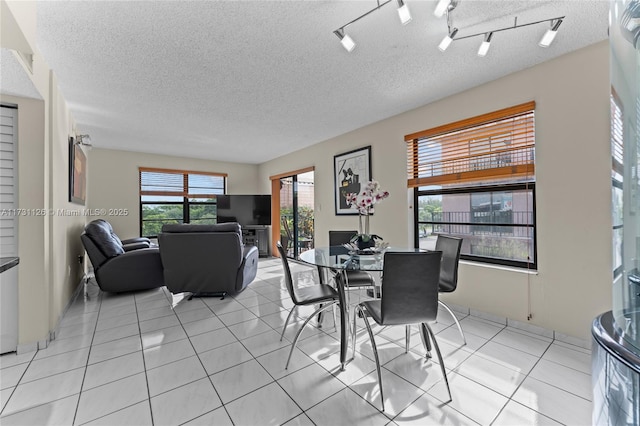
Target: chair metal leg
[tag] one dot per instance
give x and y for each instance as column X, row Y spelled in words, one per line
column 435, row 345
column 353, row 334
column 320, row 317
column 335, row 318
column 441, row 303
column 407, row 332
column 426, row 342
column 375, row 353
column 295, row 340
column 286, row 323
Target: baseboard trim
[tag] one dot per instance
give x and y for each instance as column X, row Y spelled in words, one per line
column 51, row 335
column 79, row 288
column 27, row 347
column 522, row 326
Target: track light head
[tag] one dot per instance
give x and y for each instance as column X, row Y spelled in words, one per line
column 403, row 12
column 346, row 41
column 441, row 8
column 484, row 47
column 446, row 41
column 83, row 140
column 551, row 33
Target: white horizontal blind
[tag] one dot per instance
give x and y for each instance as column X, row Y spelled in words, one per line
column 480, row 149
column 617, row 138
column 8, row 186
column 171, row 185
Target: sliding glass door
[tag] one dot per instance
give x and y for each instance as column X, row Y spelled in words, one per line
column 296, row 212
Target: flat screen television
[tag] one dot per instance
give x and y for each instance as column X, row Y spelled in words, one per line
column 247, row 210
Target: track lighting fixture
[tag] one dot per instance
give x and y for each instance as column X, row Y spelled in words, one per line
column 347, row 42
column 80, row 140
column 446, row 7
column 404, row 13
column 447, row 40
column 484, row 47
column 441, row 8
column 449, row 6
column 548, row 37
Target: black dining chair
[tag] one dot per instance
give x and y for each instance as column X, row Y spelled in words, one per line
column 410, row 296
column 354, row 279
column 450, row 248
column 320, row 294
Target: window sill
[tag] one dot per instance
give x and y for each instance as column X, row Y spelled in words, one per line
column 500, row 267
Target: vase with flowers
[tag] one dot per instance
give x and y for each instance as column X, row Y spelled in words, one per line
column 364, row 202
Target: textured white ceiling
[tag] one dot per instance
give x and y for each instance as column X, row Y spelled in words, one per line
column 248, row 81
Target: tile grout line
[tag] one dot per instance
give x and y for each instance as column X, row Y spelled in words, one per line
column 208, row 376
column 303, row 411
column 520, row 385
column 24, row 372
column 131, row 375
column 254, row 358
column 144, row 361
column 84, row 376
column 17, row 384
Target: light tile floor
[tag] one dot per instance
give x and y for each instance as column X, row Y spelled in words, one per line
column 156, row 358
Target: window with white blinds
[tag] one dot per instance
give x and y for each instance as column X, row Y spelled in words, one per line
column 493, row 146
column 177, row 196
column 8, row 186
column 475, row 179
column 617, row 139
column 617, row 180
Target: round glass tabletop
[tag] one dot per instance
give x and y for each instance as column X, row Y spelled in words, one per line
column 339, row 257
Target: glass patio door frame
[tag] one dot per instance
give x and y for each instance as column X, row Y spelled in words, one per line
column 275, row 209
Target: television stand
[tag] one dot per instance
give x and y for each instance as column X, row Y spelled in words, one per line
column 257, row 236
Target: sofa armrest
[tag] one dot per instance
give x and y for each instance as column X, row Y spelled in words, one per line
column 250, row 255
column 137, row 240
column 136, row 246
column 133, row 270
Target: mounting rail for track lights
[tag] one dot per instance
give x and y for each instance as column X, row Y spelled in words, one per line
column 347, row 42
column 546, row 40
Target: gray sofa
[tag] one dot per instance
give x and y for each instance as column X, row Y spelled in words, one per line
column 121, row 265
column 206, row 259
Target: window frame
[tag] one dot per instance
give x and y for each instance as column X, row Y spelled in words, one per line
column 471, row 180
column 521, row 186
column 185, row 203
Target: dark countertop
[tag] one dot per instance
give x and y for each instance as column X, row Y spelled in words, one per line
column 8, row 263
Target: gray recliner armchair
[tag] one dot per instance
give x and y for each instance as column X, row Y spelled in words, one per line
column 121, row 265
column 206, row 260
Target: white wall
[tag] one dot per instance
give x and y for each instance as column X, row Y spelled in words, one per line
column 113, row 181
column 48, row 245
column 573, row 282
column 33, row 300
column 65, row 245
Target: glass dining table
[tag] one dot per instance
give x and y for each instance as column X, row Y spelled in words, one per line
column 339, row 259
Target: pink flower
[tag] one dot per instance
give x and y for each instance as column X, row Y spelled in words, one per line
column 364, row 200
